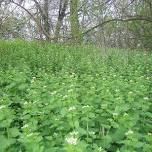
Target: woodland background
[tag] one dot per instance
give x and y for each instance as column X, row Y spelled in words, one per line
column 105, row 23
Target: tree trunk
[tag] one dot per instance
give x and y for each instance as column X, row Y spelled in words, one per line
column 46, row 17
column 62, row 10
column 74, row 21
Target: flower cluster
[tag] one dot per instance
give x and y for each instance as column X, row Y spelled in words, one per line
column 129, row 132
column 72, row 108
column 2, row 107
column 87, row 106
column 72, row 140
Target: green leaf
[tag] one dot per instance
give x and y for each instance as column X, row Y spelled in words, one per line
column 5, row 143
column 13, row 132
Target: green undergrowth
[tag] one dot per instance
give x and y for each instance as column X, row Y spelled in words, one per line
column 58, row 98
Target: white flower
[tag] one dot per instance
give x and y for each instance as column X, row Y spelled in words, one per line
column 65, row 96
column 118, row 98
column 29, row 135
column 72, row 75
column 100, row 149
column 53, row 93
column 25, row 126
column 147, row 78
column 33, row 79
column 46, row 104
column 70, row 90
column 129, row 132
column 115, row 114
column 74, row 133
column 25, row 103
column 55, row 134
column 35, row 102
column 2, row 107
column 40, row 112
column 130, row 92
column 138, row 45
column 117, row 90
column 87, row 106
column 72, row 108
column 91, row 132
column 149, row 134
column 72, row 140
column 146, row 98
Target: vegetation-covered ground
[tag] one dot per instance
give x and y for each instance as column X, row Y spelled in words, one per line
column 57, row 98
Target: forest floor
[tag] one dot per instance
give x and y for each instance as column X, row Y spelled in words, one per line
column 56, row 98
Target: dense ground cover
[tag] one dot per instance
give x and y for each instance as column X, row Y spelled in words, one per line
column 74, row 99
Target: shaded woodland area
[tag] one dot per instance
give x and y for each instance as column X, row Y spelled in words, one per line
column 105, row 23
column 75, row 75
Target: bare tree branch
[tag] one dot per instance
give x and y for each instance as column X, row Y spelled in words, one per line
column 133, row 18
column 41, row 29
